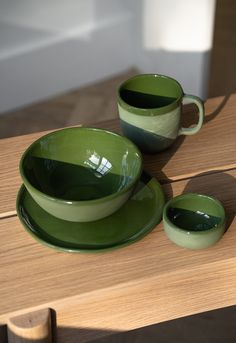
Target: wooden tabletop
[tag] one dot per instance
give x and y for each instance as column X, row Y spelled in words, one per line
column 145, row 283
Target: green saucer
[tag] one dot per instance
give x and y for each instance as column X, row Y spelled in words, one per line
column 140, row 214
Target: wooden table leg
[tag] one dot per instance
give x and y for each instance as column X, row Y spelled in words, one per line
column 30, row 327
column 3, row 333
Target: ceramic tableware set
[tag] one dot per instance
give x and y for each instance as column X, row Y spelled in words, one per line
column 84, row 189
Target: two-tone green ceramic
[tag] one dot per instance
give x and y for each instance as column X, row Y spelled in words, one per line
column 150, row 108
column 193, row 220
column 139, row 215
column 81, row 174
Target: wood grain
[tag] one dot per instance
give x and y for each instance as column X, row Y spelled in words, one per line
column 223, row 55
column 147, row 282
column 213, row 148
column 92, row 103
column 30, row 327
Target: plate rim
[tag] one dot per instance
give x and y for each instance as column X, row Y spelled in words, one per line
column 153, row 184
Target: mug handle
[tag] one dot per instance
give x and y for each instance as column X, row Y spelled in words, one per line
column 189, row 99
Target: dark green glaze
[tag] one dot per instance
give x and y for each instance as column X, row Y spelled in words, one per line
column 81, row 174
column 61, row 156
column 153, row 103
column 135, row 219
column 65, row 180
column 146, row 141
column 158, row 92
column 194, row 221
column 143, row 100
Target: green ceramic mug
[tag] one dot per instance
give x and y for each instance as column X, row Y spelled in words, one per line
column 150, row 108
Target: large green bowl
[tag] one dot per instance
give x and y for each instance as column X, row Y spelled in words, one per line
column 193, row 220
column 81, row 174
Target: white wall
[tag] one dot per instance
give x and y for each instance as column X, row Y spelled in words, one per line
column 174, row 37
column 51, row 46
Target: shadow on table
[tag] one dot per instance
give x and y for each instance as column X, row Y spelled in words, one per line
column 218, row 109
column 212, row 326
column 189, row 117
column 220, row 185
column 59, row 335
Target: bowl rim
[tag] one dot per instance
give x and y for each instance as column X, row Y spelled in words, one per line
column 173, row 227
column 81, row 202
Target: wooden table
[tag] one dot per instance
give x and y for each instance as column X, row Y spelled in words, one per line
column 147, row 282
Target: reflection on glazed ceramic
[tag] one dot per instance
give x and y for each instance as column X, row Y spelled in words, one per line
column 81, row 174
column 192, row 220
column 150, row 109
column 99, row 164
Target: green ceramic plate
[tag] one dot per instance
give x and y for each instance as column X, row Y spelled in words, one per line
column 140, row 214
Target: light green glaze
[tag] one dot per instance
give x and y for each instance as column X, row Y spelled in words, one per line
column 194, row 221
column 81, row 174
column 153, row 103
column 167, row 127
column 192, row 99
column 139, row 215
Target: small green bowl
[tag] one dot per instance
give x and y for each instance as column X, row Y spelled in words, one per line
column 193, row 220
column 81, row 174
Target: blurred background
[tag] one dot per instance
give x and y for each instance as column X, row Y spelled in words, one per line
column 61, row 61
